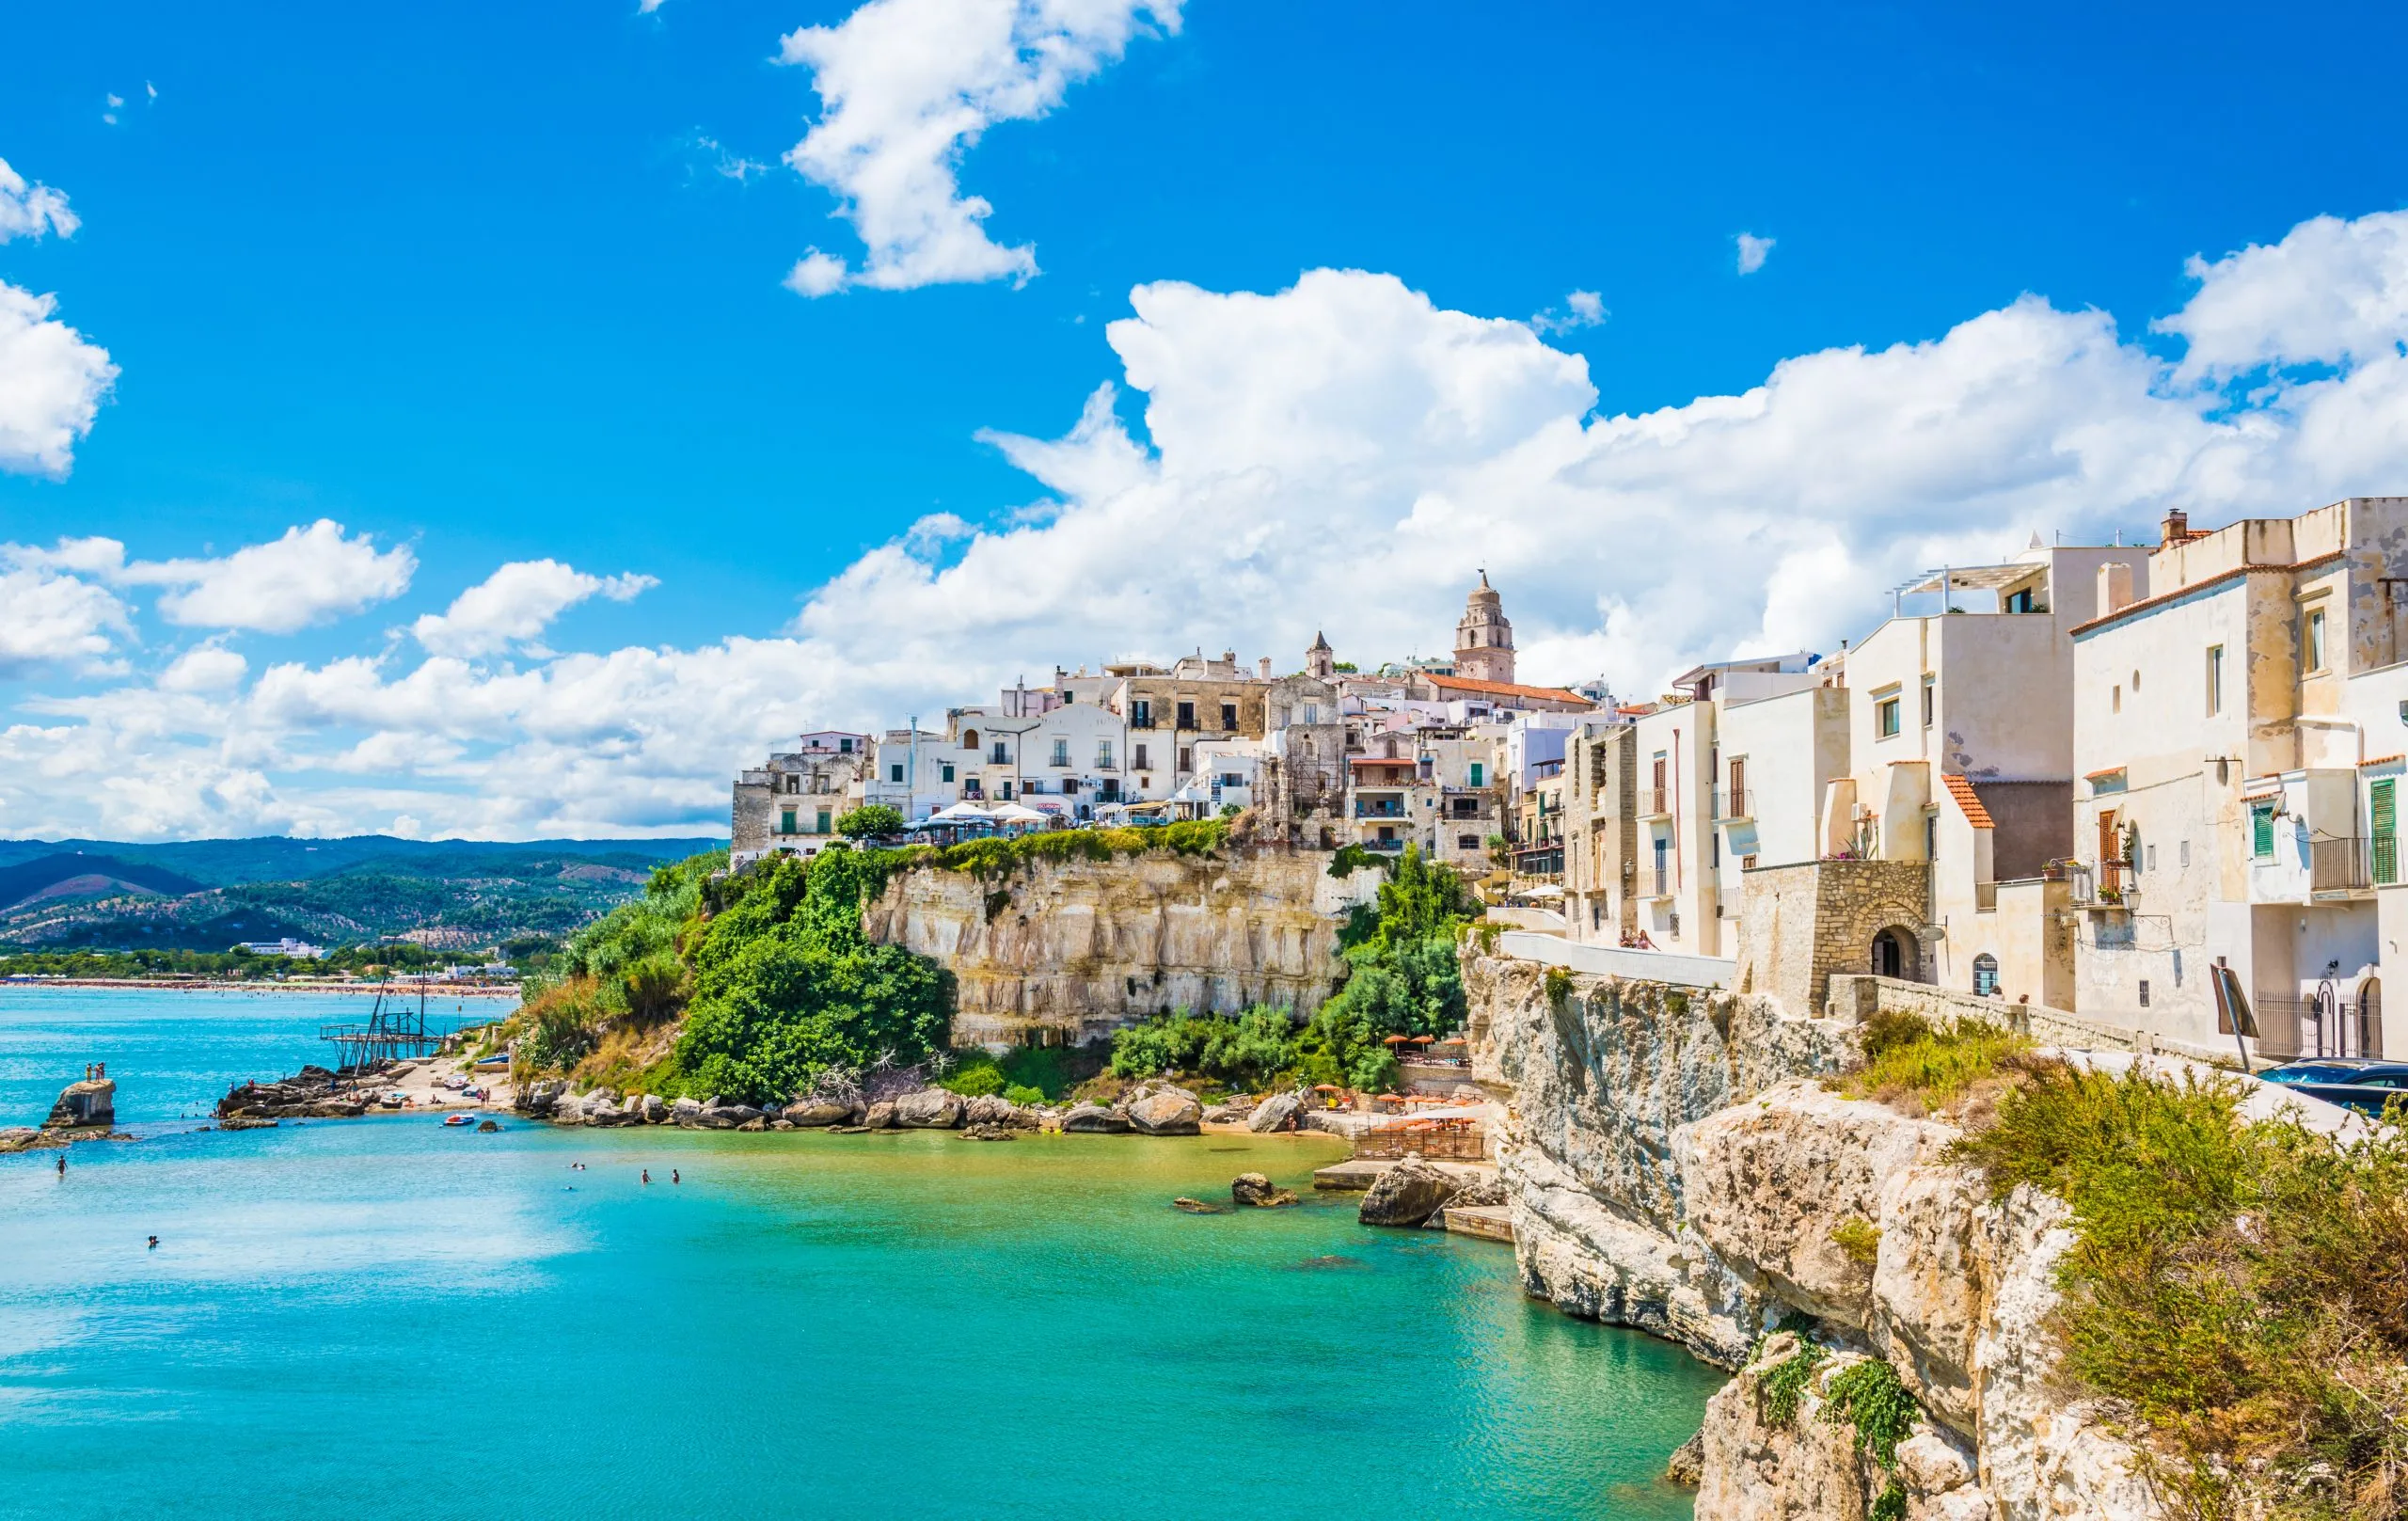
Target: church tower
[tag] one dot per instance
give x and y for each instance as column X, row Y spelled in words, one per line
column 1320, row 661
column 1485, row 641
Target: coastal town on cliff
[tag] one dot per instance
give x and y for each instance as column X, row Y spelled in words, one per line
column 1061, row 759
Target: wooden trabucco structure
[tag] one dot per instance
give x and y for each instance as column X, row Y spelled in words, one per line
column 1434, row 1140
column 393, row 1032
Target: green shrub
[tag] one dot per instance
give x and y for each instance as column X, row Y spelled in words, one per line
column 1907, row 1055
column 1351, row 858
column 1868, row 1395
column 1250, row 1050
column 2239, row 1289
column 1024, row 1096
column 1782, row 1388
column 975, row 1079
column 870, row 819
column 1559, row 984
column 1859, row 1237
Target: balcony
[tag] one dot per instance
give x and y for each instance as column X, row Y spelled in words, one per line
column 1388, row 844
column 1656, row 883
column 2105, row 888
column 1379, row 809
column 1730, row 803
column 2340, row 865
column 1655, row 803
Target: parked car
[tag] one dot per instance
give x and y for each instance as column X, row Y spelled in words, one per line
column 2359, row 1083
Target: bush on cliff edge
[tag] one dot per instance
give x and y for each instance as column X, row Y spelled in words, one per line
column 2237, row 1293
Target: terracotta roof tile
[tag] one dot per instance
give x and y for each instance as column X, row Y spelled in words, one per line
column 1968, row 800
column 1507, row 689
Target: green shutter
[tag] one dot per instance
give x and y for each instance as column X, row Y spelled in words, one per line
column 2384, row 804
column 1475, row 773
column 2262, row 832
column 823, row 821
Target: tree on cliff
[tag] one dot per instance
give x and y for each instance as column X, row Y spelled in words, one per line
column 786, row 985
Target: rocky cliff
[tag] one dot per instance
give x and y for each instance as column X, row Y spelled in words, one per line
column 1062, row 952
column 1671, row 1165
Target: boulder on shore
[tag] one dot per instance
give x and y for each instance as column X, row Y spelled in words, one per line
column 931, row 1109
column 983, row 1132
column 537, row 1098
column 1255, row 1189
column 1170, row 1111
column 1408, row 1194
column 1276, row 1113
column 24, row 1138
column 880, row 1117
column 817, row 1113
column 1470, row 1192
column 994, row 1109
column 1687, row 1465
column 686, row 1113
column 726, row 1116
column 1093, row 1119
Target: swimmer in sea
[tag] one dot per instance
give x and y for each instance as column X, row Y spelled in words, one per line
column 647, row 1174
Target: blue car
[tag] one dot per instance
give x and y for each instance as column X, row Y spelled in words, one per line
column 2360, row 1083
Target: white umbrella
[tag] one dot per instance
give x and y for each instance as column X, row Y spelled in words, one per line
column 963, row 813
column 1012, row 813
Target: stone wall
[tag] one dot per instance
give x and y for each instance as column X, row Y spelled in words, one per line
column 1059, row 953
column 1799, row 923
column 1856, row 999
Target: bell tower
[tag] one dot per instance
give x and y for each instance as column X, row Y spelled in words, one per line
column 1485, row 641
column 1320, row 661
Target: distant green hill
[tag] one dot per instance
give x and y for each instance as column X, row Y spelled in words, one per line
column 207, row 895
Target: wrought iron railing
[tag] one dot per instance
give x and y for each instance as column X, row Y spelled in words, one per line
column 2337, row 866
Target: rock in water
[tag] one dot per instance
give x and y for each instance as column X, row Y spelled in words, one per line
column 1255, row 1189
column 685, row 1113
column 988, row 1132
column 1169, row 1111
column 1469, row 1192
column 653, row 1110
column 24, row 1137
column 1193, row 1206
column 1093, row 1119
column 1407, row 1194
column 1687, row 1465
column 1276, row 1113
column 487, row 1127
column 89, row 1104
column 931, row 1109
column 880, row 1117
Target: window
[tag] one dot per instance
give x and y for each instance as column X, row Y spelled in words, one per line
column 1141, row 715
column 2311, row 658
column 2136, row 681
column 1885, row 725
column 895, row 772
column 1985, row 976
column 1466, row 842
column 1069, row 786
column 1006, row 793
column 1061, row 752
column 1186, row 758
column 2019, row 601
column 1187, row 715
column 785, row 821
column 794, row 783
column 1232, row 779
column 2383, row 815
column 845, row 746
column 948, row 773
column 1142, row 763
column 1312, row 712
column 2144, row 993
column 2215, row 679
column 1104, row 755
column 2182, row 853
column 1931, row 837
column 1930, row 694
column 999, row 754
column 969, row 739
column 1228, row 717
column 2115, row 698
column 821, row 828
column 1475, row 772
column 1748, row 863
column 2149, row 855
column 2261, row 831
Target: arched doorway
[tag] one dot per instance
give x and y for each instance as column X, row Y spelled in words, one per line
column 1985, row 976
column 1894, row 954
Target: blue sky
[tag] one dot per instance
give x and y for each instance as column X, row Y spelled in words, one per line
column 504, row 284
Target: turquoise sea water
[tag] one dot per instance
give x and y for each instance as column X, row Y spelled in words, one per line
column 388, row 1318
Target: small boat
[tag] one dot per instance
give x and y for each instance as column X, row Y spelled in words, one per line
column 456, row 1120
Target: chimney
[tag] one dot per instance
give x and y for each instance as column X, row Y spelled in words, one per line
column 2114, row 587
column 1264, row 666
column 2176, row 527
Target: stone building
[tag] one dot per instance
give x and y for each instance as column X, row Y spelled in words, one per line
column 791, row 806
column 2230, row 774
column 1483, row 640
column 1800, row 924
column 1600, row 831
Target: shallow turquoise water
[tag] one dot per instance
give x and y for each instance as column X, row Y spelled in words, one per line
column 385, row 1317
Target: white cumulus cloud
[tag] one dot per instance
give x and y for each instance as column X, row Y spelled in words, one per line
column 1753, row 252
column 52, row 384
column 1342, row 454
column 515, row 605
column 308, row 576
column 905, row 88
column 2329, row 290
column 29, row 210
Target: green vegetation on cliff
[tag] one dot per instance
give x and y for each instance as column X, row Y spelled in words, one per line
column 2239, row 1290
column 1402, row 978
